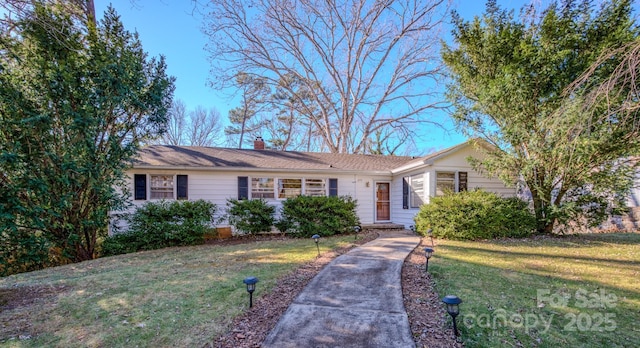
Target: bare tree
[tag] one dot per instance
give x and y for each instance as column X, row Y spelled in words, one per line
column 192, row 128
column 83, row 10
column 176, row 125
column 617, row 98
column 372, row 64
column 205, row 127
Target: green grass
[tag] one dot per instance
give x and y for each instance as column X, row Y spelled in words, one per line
column 575, row 291
column 171, row 297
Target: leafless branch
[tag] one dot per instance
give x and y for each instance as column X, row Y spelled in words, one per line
column 372, row 61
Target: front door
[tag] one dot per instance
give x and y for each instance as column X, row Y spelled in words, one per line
column 383, row 202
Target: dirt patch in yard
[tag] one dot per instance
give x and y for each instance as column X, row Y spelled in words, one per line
column 18, row 300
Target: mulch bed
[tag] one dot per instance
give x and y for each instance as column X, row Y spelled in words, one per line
column 430, row 324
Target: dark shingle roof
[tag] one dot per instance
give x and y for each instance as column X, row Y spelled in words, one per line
column 214, row 157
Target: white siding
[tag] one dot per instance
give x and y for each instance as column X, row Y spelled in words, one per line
column 457, row 161
column 454, row 162
column 217, row 187
column 399, row 215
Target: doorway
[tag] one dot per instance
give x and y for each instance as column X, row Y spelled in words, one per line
column 383, row 201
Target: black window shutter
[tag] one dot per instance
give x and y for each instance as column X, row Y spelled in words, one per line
column 140, row 186
column 333, row 187
column 243, row 187
column 405, row 192
column 462, row 181
column 183, row 187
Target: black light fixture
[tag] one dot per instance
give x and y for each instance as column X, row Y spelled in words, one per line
column 357, row 230
column 453, row 309
column 427, row 253
column 413, row 228
column 316, row 238
column 251, row 287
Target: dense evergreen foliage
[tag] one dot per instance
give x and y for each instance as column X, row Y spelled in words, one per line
column 251, row 215
column 76, row 101
column 475, row 215
column 305, row 216
column 510, row 82
column 163, row 224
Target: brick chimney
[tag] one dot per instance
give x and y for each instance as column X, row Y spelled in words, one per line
column 258, row 144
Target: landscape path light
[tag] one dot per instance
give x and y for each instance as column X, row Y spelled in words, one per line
column 453, row 308
column 357, row 230
column 316, row 238
column 413, row 228
column 427, row 253
column 251, row 287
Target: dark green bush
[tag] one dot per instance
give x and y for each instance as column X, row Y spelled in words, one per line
column 476, row 215
column 24, row 251
column 250, row 216
column 305, row 216
column 163, row 224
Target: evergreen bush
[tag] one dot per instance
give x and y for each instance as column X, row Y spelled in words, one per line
column 250, row 215
column 476, row 215
column 305, row 216
column 163, row 224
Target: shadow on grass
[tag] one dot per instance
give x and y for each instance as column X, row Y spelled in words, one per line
column 579, row 312
column 568, row 257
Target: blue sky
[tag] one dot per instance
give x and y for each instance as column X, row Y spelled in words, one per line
column 172, row 28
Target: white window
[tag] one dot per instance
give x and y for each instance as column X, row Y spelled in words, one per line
column 417, row 190
column 445, row 182
column 315, row 187
column 161, row 186
column 289, row 188
column 451, row 182
column 262, row 188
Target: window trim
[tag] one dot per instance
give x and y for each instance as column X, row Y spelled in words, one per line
column 329, row 186
column 273, row 187
column 281, row 193
column 460, row 181
column 324, row 190
column 178, row 192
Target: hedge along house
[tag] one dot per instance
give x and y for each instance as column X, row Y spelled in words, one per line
column 388, row 189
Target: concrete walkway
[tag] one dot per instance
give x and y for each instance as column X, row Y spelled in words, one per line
column 355, row 301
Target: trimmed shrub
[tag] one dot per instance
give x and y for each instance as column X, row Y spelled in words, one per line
column 305, row 216
column 476, row 215
column 163, row 224
column 250, row 216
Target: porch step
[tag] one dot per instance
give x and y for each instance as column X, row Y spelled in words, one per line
column 389, row 226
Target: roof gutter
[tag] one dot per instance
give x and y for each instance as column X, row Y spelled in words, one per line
column 267, row 170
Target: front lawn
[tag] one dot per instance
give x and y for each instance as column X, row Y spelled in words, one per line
column 175, row 297
column 574, row 291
